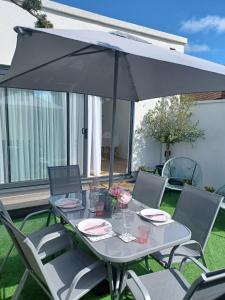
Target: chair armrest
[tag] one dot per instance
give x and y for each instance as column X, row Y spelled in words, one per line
column 139, row 284
column 80, row 274
column 32, row 215
column 195, row 261
column 55, row 235
column 183, row 244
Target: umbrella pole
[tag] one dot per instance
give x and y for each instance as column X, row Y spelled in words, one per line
column 112, row 148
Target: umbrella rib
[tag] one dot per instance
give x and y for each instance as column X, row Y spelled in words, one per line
column 131, row 76
column 91, row 52
column 74, row 53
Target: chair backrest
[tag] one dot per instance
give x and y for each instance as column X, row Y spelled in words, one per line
column 208, row 286
column 4, row 211
column 149, row 189
column 197, row 209
column 64, row 179
column 183, row 168
column 25, row 248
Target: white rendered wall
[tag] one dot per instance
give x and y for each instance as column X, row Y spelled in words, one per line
column 146, row 151
column 210, row 152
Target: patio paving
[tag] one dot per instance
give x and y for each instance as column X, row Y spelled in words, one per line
column 214, row 255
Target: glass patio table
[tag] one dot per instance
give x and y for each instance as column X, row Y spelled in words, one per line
column 116, row 253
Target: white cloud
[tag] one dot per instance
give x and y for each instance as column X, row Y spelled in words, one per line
column 197, row 48
column 204, row 24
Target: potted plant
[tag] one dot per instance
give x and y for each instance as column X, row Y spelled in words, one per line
column 170, row 123
column 209, row 189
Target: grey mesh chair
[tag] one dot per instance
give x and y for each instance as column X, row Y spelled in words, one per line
column 181, row 170
column 149, row 189
column 64, row 180
column 67, row 277
column 197, row 209
column 221, row 191
column 55, row 231
column 170, row 284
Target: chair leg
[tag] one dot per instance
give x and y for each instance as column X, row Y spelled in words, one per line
column 170, row 260
column 21, row 285
column 49, row 218
column 55, row 219
column 147, row 264
column 5, row 259
column 181, row 268
column 203, row 259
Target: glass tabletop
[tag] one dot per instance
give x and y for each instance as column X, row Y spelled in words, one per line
column 149, row 238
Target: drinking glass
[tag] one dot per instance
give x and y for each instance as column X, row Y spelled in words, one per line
column 128, row 220
column 143, row 234
column 99, row 209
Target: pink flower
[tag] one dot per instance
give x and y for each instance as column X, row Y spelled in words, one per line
column 124, row 197
column 116, row 191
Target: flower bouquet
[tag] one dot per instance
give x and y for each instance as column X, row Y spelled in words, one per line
column 121, row 196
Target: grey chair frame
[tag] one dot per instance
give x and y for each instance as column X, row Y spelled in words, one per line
column 147, row 184
column 179, row 215
column 58, row 172
column 59, row 186
column 35, row 266
column 221, row 191
column 52, row 235
column 206, row 278
column 175, row 187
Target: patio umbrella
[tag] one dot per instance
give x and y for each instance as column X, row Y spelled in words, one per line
column 106, row 64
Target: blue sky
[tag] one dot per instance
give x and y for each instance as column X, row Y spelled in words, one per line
column 201, row 21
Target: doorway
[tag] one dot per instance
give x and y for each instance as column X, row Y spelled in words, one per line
column 122, row 131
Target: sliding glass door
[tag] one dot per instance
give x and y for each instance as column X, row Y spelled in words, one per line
column 36, row 133
column 75, row 142
column 40, row 129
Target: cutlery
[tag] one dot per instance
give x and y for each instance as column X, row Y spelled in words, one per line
column 154, row 215
column 96, row 226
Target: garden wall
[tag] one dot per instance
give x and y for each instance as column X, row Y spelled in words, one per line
column 208, row 152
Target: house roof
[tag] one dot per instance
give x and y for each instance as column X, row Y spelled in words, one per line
column 208, row 96
column 97, row 18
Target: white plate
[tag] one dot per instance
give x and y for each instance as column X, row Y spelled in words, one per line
column 68, row 203
column 155, row 215
column 94, row 226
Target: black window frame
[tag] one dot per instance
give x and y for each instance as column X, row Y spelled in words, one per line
column 42, row 182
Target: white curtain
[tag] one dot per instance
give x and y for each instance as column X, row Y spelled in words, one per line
column 37, row 132
column 2, row 140
column 76, row 125
column 94, row 135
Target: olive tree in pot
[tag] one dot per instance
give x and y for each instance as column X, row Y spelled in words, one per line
column 170, row 122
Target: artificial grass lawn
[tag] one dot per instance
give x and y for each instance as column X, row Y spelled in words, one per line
column 14, row 269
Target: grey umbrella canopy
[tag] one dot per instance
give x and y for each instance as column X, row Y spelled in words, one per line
column 108, row 65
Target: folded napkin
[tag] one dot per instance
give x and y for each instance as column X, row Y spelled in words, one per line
column 101, row 237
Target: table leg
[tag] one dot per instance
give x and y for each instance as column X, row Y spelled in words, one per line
column 114, row 277
column 110, row 279
column 122, row 277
